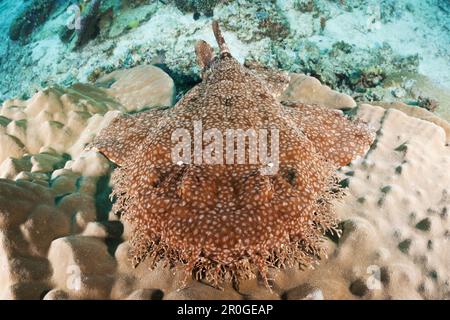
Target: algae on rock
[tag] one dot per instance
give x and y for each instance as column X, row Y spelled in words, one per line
column 34, row 15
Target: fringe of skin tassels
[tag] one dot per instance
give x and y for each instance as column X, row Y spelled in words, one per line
column 303, row 252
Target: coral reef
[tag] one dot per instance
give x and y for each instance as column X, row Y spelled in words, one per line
column 134, row 3
column 341, row 49
column 336, row 67
column 55, row 193
column 396, row 210
column 63, row 203
column 86, row 28
column 61, row 188
column 34, row 15
column 67, row 201
column 55, row 117
column 59, row 238
column 419, row 113
column 263, row 19
column 152, row 87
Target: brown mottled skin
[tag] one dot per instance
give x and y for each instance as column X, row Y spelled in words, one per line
column 230, row 222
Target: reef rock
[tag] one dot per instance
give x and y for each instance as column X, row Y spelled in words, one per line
column 35, row 211
column 55, row 215
column 34, row 15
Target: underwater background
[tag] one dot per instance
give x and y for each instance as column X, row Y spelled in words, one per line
column 371, row 49
column 68, row 69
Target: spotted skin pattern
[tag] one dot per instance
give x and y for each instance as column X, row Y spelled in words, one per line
column 229, row 222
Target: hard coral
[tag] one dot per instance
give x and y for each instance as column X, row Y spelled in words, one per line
column 230, row 221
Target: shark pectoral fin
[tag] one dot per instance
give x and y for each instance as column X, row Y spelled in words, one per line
column 276, row 81
column 336, row 137
column 119, row 140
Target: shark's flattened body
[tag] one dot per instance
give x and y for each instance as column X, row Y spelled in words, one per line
column 230, row 221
